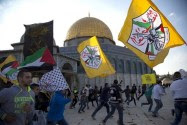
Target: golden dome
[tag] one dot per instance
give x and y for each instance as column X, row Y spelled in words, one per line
column 89, row 26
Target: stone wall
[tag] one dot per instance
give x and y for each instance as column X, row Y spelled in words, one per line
column 128, row 79
column 128, row 66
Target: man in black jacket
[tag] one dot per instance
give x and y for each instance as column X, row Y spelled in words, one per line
column 115, row 102
column 103, row 100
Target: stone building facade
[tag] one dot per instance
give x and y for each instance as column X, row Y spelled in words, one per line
column 128, row 66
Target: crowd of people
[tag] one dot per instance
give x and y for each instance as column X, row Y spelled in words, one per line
column 26, row 104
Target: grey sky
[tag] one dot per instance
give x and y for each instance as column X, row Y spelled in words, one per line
column 15, row 13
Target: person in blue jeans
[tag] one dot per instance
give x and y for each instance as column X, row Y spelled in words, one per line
column 157, row 92
column 57, row 107
column 178, row 90
column 180, row 107
column 83, row 101
column 103, row 100
column 116, row 102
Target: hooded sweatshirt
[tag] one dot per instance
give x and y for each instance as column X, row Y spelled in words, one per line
column 57, row 107
column 12, row 101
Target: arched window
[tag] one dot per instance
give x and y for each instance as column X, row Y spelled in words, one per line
column 67, row 66
column 114, row 63
column 134, row 68
column 121, row 66
column 140, row 67
column 152, row 70
column 145, row 68
column 128, row 67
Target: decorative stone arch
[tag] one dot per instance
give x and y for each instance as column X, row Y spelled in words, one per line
column 121, row 66
column 135, row 72
column 113, row 62
column 67, row 66
column 134, row 67
column 140, row 67
column 68, row 72
column 128, row 71
column 152, row 71
column 128, row 65
column 145, row 68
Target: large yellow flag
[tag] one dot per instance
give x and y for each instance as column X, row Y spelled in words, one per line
column 148, row 33
column 93, row 59
column 148, row 79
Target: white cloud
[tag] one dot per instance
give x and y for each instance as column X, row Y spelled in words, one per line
column 171, row 14
column 175, row 60
column 64, row 14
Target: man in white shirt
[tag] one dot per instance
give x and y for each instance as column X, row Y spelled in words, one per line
column 178, row 89
column 158, row 91
column 87, row 90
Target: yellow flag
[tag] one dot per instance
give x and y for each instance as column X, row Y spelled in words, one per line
column 5, row 80
column 3, row 77
column 9, row 59
column 148, row 33
column 6, row 66
column 93, row 59
column 148, row 79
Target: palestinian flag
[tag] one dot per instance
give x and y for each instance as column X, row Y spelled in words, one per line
column 38, row 58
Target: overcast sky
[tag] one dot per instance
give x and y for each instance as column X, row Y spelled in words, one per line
column 15, row 13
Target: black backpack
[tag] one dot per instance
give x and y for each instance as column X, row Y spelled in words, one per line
column 114, row 94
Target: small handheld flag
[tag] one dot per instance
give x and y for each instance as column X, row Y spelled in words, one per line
column 53, row 81
column 148, row 79
column 93, row 59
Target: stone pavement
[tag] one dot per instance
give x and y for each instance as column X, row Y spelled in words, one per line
column 133, row 115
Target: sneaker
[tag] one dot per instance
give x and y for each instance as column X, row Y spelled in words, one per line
column 79, row 112
column 93, row 118
column 171, row 123
column 103, row 122
column 173, row 112
column 111, row 116
column 119, row 123
column 154, row 115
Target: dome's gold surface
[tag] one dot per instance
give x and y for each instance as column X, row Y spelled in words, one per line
column 89, row 26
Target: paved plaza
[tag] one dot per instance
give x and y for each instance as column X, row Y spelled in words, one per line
column 133, row 115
